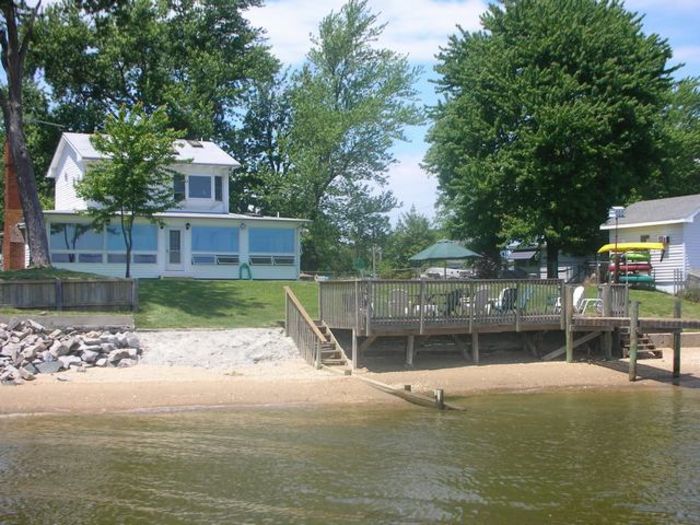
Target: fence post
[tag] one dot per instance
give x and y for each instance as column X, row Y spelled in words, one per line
column 357, row 305
column 607, row 312
column 134, row 294
column 562, row 305
column 369, row 308
column 677, row 341
column 422, row 305
column 472, row 309
column 569, row 330
column 634, row 322
column 286, row 312
column 59, row 294
column 320, row 301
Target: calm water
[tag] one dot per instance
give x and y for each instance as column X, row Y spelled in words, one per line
column 557, row 458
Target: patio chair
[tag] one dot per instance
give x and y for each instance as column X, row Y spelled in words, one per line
column 397, row 303
column 581, row 303
column 506, row 300
column 453, row 302
column 481, row 302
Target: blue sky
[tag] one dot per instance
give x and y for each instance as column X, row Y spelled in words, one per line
column 418, row 28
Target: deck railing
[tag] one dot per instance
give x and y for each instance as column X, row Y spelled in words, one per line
column 302, row 329
column 368, row 304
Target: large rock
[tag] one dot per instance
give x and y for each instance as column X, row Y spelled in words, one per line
column 56, row 334
column 102, row 361
column 49, row 367
column 31, row 367
column 37, row 327
column 126, row 363
column 10, row 350
column 92, row 341
column 68, row 360
column 89, row 356
column 58, row 349
column 26, row 374
column 132, row 341
column 30, row 352
column 107, row 347
column 119, row 354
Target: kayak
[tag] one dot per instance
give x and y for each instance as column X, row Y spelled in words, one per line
column 632, row 267
column 633, row 256
column 646, row 279
column 631, row 246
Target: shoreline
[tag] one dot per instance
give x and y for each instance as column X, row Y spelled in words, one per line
column 149, row 388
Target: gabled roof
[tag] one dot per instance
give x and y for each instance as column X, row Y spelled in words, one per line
column 193, row 152
column 658, row 211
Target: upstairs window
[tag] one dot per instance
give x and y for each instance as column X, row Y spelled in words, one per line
column 218, row 189
column 200, row 187
column 179, row 187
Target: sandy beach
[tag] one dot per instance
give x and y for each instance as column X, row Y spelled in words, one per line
column 287, row 381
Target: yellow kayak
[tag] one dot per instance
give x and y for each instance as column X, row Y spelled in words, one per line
column 631, row 246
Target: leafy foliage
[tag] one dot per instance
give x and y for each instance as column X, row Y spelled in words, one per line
column 412, row 233
column 134, row 178
column 550, row 115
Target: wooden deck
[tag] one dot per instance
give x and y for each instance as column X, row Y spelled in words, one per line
column 412, row 308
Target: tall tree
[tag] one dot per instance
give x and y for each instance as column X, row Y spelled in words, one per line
column 134, row 179
column 550, row 115
column 15, row 35
column 350, row 102
column 413, row 233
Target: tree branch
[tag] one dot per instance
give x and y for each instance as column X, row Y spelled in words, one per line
column 28, row 35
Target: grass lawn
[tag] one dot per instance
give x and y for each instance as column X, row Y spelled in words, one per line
column 45, row 273
column 657, row 304
column 186, row 303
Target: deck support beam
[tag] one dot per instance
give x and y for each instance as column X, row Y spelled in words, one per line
column 410, row 349
column 607, row 312
column 475, row 346
column 569, row 325
column 355, row 351
column 461, row 346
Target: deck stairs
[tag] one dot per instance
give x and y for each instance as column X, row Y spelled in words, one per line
column 332, row 354
column 644, row 344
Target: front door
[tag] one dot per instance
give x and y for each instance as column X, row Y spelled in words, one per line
column 174, row 256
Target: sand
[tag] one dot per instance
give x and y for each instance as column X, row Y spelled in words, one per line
column 277, row 377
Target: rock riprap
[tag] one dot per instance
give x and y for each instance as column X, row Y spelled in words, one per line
column 27, row 348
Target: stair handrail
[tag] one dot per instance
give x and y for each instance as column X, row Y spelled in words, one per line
column 304, row 314
column 304, row 332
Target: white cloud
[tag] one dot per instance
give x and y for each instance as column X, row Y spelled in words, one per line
column 417, row 27
column 412, row 186
column 687, row 53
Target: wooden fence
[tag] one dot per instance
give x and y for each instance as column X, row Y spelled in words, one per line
column 74, row 294
column 302, row 329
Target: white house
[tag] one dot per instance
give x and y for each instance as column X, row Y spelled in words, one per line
column 673, row 221
column 199, row 239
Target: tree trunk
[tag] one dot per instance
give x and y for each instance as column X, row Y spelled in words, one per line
column 26, row 182
column 12, row 57
column 552, row 260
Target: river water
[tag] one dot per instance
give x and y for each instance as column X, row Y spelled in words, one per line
column 574, row 457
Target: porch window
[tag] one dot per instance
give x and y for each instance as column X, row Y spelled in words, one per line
column 214, row 245
column 200, row 187
column 272, row 246
column 75, row 242
column 144, row 247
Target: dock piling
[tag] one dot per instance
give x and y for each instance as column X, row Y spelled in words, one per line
column 634, row 323
column 677, row 341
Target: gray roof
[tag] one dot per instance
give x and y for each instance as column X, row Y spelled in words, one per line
column 670, row 210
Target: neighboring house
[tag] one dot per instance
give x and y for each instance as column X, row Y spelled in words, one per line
column 199, row 239
column 673, row 221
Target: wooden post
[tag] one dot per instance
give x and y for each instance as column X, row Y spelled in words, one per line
column 59, row 294
column 407, row 388
column 320, row 302
column 355, row 351
column 475, row 346
column 440, row 398
column 677, row 341
column 422, row 305
column 410, row 349
column 569, row 325
column 634, row 322
column 562, row 305
column 369, row 308
column 472, row 297
column 607, row 312
column 286, row 313
column 517, row 306
column 357, row 305
column 317, row 354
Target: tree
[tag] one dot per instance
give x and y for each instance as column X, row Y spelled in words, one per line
column 550, row 115
column 413, row 233
column 349, row 103
column 15, row 35
column 134, row 179
column 198, row 59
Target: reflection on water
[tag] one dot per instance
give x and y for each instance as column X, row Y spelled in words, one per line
column 565, row 458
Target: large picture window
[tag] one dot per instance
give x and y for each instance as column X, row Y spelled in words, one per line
column 271, row 240
column 214, row 245
column 200, row 187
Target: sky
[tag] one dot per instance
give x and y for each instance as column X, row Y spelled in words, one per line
column 418, row 28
